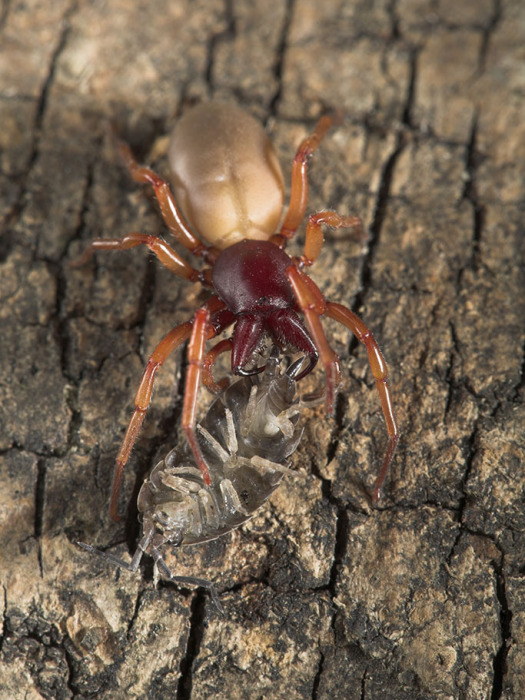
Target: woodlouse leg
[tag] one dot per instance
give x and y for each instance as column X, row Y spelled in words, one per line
column 312, row 304
column 191, row 580
column 380, row 371
column 170, row 211
column 201, row 328
column 166, row 346
column 145, row 546
column 166, row 255
column 299, row 189
column 133, row 565
column 314, row 235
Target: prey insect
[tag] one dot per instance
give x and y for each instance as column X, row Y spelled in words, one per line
column 246, row 437
column 229, row 186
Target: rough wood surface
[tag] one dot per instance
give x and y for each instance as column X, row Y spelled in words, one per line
column 422, row 597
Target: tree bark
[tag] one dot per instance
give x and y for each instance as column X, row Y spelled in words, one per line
column 324, row 595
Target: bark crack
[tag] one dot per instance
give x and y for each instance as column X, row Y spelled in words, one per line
column 505, row 618
column 225, row 35
column 317, row 677
column 40, row 489
column 487, row 32
column 4, row 12
column 16, row 209
column 281, row 53
column 193, row 646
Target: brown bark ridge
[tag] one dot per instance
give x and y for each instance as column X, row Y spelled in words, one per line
column 324, row 596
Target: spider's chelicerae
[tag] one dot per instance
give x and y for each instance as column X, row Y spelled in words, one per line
column 228, row 187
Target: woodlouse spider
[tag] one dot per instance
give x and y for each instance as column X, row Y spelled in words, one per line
column 228, row 187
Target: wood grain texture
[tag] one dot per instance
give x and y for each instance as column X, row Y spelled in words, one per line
column 325, row 597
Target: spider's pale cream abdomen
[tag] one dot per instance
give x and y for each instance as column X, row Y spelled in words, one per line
column 226, row 176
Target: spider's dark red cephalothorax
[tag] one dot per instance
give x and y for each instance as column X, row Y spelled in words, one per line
column 250, row 278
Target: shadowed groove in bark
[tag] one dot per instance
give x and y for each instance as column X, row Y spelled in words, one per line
column 4, row 11
column 388, row 172
column 40, row 490
column 317, row 679
column 394, row 20
column 487, row 33
column 61, row 295
column 4, row 619
column 363, row 684
column 521, row 383
column 471, row 195
column 342, row 523
column 500, row 659
column 224, row 35
column 193, row 646
column 383, row 194
column 341, row 540
column 15, row 210
column 281, row 52
column 409, row 103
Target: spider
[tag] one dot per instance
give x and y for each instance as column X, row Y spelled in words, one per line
column 229, row 187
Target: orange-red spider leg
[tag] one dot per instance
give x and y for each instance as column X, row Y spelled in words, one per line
column 299, row 188
column 209, row 362
column 166, row 346
column 314, row 234
column 199, row 335
column 170, row 212
column 380, row 372
column 166, row 255
column 312, row 304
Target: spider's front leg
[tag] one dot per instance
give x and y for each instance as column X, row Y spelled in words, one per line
column 380, row 371
column 166, row 346
column 314, row 238
column 165, row 254
column 299, row 187
column 309, row 296
column 201, row 328
column 313, row 305
column 168, row 206
column 209, row 362
column 143, row 396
